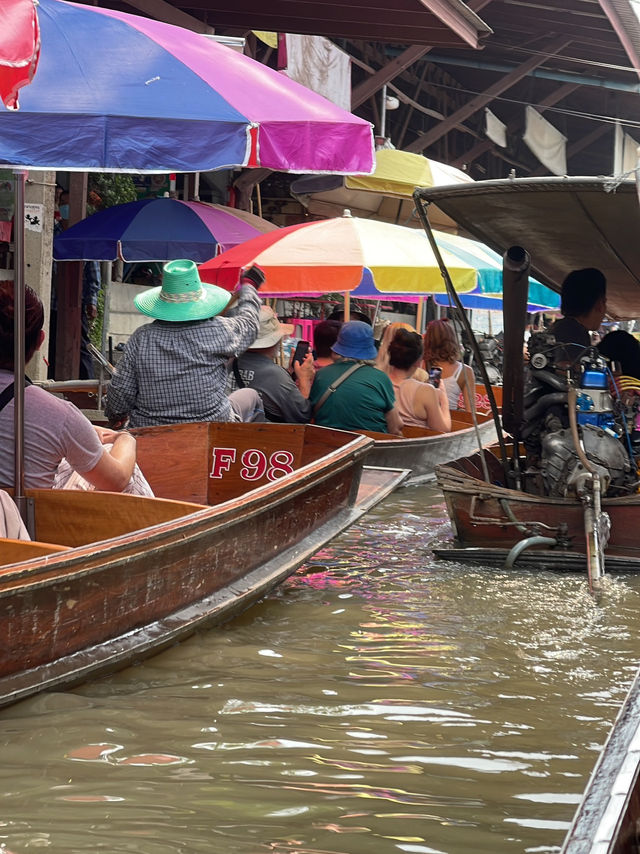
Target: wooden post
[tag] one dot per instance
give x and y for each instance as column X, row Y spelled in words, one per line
column 420, row 315
column 69, row 291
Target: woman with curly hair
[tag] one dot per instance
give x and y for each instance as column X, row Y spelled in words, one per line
column 442, row 350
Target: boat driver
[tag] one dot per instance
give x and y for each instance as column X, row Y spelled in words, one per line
column 583, row 306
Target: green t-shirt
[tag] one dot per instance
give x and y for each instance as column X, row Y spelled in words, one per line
column 359, row 403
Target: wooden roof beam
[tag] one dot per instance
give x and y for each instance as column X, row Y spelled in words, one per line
column 392, row 69
column 398, row 65
column 401, row 95
column 163, row 11
column 449, row 123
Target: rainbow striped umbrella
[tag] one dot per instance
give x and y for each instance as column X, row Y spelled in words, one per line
column 333, row 255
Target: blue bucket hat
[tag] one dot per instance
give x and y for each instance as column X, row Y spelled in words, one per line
column 355, row 341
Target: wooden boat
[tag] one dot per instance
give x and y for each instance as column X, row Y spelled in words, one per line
column 418, row 451
column 421, row 450
column 489, row 520
column 112, row 578
column 493, row 519
column 607, row 820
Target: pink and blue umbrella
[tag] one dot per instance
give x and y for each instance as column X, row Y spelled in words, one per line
column 158, row 230
column 123, row 93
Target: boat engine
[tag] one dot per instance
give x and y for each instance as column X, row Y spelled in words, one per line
column 490, row 348
column 553, row 466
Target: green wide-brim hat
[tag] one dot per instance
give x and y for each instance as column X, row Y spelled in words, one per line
column 182, row 296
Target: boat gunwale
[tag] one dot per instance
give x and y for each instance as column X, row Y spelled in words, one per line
column 454, row 480
column 433, row 438
column 277, row 492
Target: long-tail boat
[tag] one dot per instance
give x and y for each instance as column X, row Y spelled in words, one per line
column 111, row 578
column 561, row 225
column 607, row 820
column 420, row 450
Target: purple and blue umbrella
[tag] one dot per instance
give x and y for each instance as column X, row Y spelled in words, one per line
column 158, row 230
column 123, row 93
column 119, row 93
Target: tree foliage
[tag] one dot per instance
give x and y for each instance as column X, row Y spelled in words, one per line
column 106, row 190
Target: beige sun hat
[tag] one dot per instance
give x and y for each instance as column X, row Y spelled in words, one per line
column 271, row 330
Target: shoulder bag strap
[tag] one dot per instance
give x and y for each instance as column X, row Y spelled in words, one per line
column 334, row 385
column 7, row 395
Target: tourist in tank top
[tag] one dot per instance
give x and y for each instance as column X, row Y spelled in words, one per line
column 442, row 350
column 419, row 404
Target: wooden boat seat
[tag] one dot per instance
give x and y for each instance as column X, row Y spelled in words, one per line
column 75, row 518
column 14, row 551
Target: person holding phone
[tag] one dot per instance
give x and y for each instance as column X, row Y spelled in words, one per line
column 442, row 350
column 175, row 369
column 285, row 397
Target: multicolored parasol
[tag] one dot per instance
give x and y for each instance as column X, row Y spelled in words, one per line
column 158, row 230
column 333, row 255
column 120, row 92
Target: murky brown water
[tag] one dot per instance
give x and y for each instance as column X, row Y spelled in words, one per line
column 378, row 702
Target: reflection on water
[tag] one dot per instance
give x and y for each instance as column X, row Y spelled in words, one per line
column 377, row 702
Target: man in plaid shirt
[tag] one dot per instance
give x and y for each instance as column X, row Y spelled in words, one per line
column 175, row 369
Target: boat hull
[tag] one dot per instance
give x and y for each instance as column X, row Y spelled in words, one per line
column 606, row 821
column 490, row 516
column 173, row 565
column 422, row 450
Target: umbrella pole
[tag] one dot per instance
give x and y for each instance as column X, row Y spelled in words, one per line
column 347, row 306
column 419, row 315
column 20, row 176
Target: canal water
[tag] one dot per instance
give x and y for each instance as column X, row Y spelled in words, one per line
column 379, row 701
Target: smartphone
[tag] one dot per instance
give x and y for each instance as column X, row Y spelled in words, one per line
column 302, row 348
column 434, row 376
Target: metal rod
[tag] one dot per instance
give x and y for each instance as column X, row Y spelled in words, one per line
column 453, row 295
column 520, row 546
column 383, row 112
column 592, row 504
column 20, row 177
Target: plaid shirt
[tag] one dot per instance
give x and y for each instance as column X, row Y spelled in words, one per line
column 172, row 372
